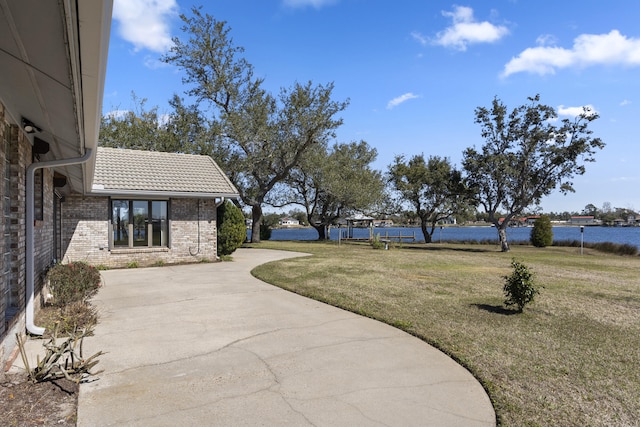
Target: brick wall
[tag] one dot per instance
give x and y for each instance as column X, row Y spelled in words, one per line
column 85, row 234
column 20, row 156
column 4, row 225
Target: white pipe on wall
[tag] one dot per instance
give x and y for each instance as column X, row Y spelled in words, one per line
column 30, row 256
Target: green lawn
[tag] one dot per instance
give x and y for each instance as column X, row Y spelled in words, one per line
column 572, row 357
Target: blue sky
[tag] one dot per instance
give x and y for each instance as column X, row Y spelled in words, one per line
column 414, row 71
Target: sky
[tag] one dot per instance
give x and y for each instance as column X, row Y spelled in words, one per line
column 415, row 71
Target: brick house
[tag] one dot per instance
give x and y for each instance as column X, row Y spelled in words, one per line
column 145, row 207
column 52, row 67
column 63, row 198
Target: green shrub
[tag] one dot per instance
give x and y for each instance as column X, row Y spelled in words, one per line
column 265, row 232
column 376, row 243
column 73, row 282
column 133, row 264
column 519, row 287
column 542, row 233
column 232, row 231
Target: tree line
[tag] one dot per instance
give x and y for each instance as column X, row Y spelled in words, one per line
column 280, row 150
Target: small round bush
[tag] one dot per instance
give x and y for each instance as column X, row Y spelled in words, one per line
column 542, row 233
column 73, row 282
column 519, row 287
column 232, row 231
column 376, row 243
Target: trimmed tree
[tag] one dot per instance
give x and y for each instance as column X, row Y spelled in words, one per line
column 232, row 231
column 542, row 233
column 332, row 183
column 527, row 155
column 257, row 138
column 434, row 189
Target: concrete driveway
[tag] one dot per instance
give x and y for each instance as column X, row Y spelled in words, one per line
column 210, row 345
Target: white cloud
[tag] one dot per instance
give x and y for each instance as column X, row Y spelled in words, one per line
column 466, row 30
column 145, row 23
column 163, row 119
column 117, row 114
column 317, row 4
column 576, row 111
column 588, row 50
column 420, row 38
column 400, row 99
column 625, row 102
column 546, row 40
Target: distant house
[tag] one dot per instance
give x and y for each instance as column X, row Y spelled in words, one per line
column 514, row 222
column 530, row 220
column 619, row 222
column 631, row 220
column 288, row 222
column 449, row 221
column 582, row 220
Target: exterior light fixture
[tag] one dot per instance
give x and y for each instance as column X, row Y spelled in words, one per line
column 29, row 127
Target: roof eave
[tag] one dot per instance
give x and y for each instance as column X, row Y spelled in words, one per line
column 94, row 28
column 162, row 194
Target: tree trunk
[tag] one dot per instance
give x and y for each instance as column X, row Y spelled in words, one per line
column 256, row 216
column 425, row 232
column 502, row 235
column 320, row 228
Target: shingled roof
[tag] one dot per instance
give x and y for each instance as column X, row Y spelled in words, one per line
column 151, row 173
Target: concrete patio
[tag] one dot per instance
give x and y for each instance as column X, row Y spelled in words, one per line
column 208, row 344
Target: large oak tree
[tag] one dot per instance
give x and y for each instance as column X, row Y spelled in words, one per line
column 259, row 137
column 434, row 189
column 527, row 154
column 332, row 183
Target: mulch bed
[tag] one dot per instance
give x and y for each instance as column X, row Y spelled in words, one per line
column 25, row 404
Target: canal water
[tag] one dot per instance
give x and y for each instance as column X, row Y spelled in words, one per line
column 628, row 235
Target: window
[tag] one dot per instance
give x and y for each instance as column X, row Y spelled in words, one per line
column 137, row 223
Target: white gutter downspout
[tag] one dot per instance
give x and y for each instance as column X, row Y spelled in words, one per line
column 31, row 170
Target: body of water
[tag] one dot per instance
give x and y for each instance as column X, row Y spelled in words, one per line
column 628, row 235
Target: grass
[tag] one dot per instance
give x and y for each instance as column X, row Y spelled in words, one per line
column 571, row 358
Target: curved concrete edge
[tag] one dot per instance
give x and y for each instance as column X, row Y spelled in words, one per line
column 208, row 344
